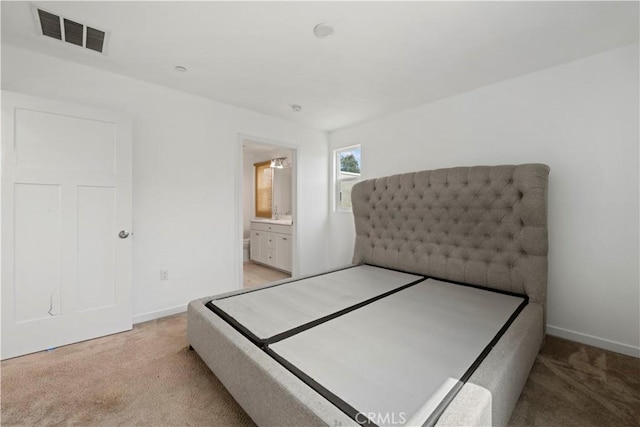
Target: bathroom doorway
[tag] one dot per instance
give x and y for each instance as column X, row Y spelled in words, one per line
column 268, row 211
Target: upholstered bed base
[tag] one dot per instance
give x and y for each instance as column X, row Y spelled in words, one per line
column 484, row 226
column 272, row 396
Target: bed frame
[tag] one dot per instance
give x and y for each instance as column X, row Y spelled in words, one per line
column 484, row 225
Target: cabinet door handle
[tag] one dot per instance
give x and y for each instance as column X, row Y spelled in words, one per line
column 284, row 238
column 257, row 234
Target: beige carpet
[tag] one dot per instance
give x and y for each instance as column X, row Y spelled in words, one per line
column 149, row 377
column 577, row 385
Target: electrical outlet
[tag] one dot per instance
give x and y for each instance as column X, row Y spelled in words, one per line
column 164, row 274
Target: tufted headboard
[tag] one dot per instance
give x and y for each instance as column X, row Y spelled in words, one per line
column 483, row 225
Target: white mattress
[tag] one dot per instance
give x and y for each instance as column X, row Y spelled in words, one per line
column 268, row 312
column 397, row 358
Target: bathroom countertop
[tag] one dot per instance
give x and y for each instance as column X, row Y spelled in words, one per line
column 273, row 221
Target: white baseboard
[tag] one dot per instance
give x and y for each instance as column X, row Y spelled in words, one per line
column 145, row 317
column 593, row 341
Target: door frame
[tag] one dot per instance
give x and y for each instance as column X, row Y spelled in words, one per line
column 239, row 205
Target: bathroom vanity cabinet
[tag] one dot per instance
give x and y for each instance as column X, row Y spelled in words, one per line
column 271, row 244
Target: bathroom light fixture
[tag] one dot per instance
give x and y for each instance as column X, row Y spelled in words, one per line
column 180, row 68
column 322, row 31
column 279, row 163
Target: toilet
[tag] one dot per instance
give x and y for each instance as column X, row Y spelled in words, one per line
column 245, row 250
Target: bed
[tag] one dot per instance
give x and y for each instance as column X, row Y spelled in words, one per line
column 437, row 321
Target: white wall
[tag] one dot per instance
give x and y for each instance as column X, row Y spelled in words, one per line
column 185, row 212
column 580, row 118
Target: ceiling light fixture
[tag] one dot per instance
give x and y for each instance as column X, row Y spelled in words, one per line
column 180, row 69
column 296, row 108
column 322, row 31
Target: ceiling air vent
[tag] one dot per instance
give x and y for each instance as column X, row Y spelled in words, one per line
column 50, row 24
column 70, row 31
column 95, row 39
column 73, row 32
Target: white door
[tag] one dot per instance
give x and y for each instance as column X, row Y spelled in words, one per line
column 66, row 195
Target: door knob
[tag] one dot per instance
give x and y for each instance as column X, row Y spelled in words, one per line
column 123, row 234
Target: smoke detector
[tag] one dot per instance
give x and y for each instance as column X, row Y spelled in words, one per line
column 322, row 31
column 67, row 30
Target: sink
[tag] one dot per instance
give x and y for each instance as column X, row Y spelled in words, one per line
column 273, row 221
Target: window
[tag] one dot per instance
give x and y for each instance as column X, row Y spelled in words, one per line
column 348, row 165
column 263, row 189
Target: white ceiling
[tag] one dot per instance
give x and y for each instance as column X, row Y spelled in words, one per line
column 384, row 56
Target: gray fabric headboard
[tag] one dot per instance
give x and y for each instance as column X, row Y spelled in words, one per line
column 483, row 225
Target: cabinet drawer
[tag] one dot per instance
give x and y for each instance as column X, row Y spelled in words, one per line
column 259, row 226
column 273, row 228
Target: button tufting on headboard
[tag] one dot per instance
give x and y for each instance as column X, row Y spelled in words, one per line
column 482, row 225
